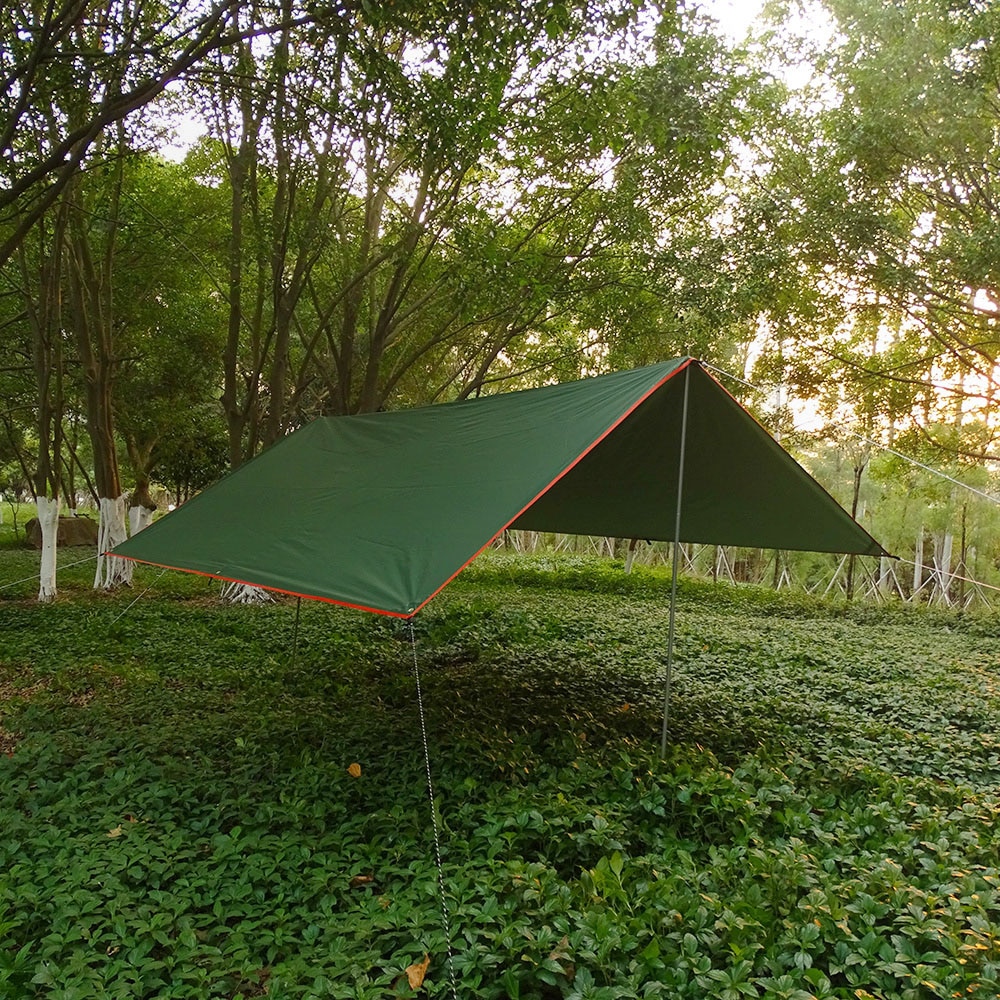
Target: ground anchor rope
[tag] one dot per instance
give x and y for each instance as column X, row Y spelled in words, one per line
column 34, row 576
column 136, row 600
column 445, row 918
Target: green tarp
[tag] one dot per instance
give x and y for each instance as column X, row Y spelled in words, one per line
column 380, row 511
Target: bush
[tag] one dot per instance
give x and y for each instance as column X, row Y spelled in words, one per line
column 182, row 819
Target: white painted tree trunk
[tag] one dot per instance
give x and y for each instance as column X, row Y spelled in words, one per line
column 630, row 554
column 918, row 564
column 947, row 551
column 138, row 518
column 48, row 521
column 883, row 575
column 111, row 573
column 244, row 593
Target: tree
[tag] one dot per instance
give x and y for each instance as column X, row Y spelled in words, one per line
column 878, row 190
column 89, row 205
column 50, row 48
column 420, row 212
column 124, row 56
column 169, row 317
column 195, row 455
column 34, row 353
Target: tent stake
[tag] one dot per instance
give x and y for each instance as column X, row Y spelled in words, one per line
column 676, row 559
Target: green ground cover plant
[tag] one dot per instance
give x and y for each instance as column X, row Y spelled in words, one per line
column 179, row 814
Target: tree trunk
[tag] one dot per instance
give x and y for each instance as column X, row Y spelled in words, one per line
column 111, row 530
column 139, row 517
column 240, row 387
column 918, row 564
column 235, row 418
column 45, row 319
column 244, row 593
column 963, row 555
column 142, row 506
column 859, row 469
column 883, row 575
column 944, row 565
column 630, row 554
column 48, row 521
column 90, row 270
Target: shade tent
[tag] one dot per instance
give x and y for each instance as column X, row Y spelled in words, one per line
column 379, row 511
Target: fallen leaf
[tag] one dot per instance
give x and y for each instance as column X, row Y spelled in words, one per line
column 116, row 832
column 561, row 950
column 415, row 973
column 354, row 770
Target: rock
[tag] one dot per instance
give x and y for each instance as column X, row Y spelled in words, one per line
column 72, row 531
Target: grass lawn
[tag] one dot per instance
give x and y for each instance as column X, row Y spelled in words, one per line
column 179, row 814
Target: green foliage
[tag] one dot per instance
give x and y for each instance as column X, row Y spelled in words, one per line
column 880, row 206
column 180, row 821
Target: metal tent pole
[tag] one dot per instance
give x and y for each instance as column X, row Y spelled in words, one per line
column 676, row 559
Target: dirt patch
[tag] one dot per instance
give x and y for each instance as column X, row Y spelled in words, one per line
column 8, row 741
column 84, row 696
column 22, row 688
column 16, row 687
